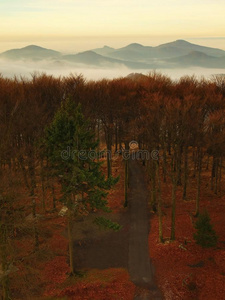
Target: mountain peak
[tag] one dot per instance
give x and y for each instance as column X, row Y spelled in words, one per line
column 88, row 52
column 104, row 50
column 33, row 47
column 135, row 45
column 181, row 42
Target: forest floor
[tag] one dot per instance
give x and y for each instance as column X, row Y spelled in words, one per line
column 183, row 269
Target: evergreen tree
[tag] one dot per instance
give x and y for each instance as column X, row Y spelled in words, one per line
column 205, row 235
column 72, row 152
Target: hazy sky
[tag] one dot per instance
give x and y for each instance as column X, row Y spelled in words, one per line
column 57, row 22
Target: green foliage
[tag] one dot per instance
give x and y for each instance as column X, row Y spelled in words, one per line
column 205, row 235
column 107, row 224
column 69, row 143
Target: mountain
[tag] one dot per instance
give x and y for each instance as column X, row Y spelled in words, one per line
column 31, row 52
column 91, row 58
column 176, row 54
column 88, row 58
column 138, row 52
column 198, row 59
column 133, row 52
column 104, row 50
column 186, row 48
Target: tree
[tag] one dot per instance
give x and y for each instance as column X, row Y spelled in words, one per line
column 71, row 151
column 205, row 235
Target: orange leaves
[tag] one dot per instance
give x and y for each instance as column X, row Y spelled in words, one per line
column 220, row 261
column 58, row 243
column 55, row 273
column 56, row 269
column 194, row 273
column 108, row 284
column 115, row 286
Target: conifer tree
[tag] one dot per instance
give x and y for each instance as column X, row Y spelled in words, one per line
column 72, row 152
column 205, row 235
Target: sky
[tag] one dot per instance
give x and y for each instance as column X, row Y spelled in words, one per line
column 75, row 25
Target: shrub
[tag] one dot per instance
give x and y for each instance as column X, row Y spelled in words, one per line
column 205, row 235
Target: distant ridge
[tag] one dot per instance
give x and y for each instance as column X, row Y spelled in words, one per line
column 188, row 47
column 134, row 46
column 104, row 50
column 199, row 59
column 137, row 52
column 176, row 54
column 93, row 59
column 31, row 52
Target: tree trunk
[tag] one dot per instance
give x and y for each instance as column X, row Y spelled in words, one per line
column 195, row 162
column 213, row 172
column 153, row 186
column 185, row 172
column 220, row 173
column 98, row 137
column 70, row 239
column 216, row 175
column 174, row 188
column 43, row 185
column 53, row 195
column 109, row 152
column 159, row 205
column 173, row 225
column 31, row 170
column 116, row 138
column 35, row 227
column 198, row 181
column 179, row 161
column 207, row 163
column 164, row 162
column 24, row 171
column 126, row 179
column 169, row 143
column 126, row 184
column 5, row 279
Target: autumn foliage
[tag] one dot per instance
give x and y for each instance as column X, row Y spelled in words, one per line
column 182, row 123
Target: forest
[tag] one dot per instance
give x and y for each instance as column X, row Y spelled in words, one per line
column 44, row 198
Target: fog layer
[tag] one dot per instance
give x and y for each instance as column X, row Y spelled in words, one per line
column 26, row 69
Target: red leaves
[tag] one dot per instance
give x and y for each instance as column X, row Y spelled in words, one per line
column 56, row 269
column 220, row 260
column 107, row 284
column 55, row 273
column 174, row 273
column 58, row 243
column 98, row 291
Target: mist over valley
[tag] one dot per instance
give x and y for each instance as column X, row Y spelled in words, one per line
column 174, row 59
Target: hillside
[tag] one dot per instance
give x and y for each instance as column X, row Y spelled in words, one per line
column 31, row 52
column 90, row 58
column 198, row 59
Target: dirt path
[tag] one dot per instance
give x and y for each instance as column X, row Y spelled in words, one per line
column 139, row 266
column 99, row 248
column 128, row 248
